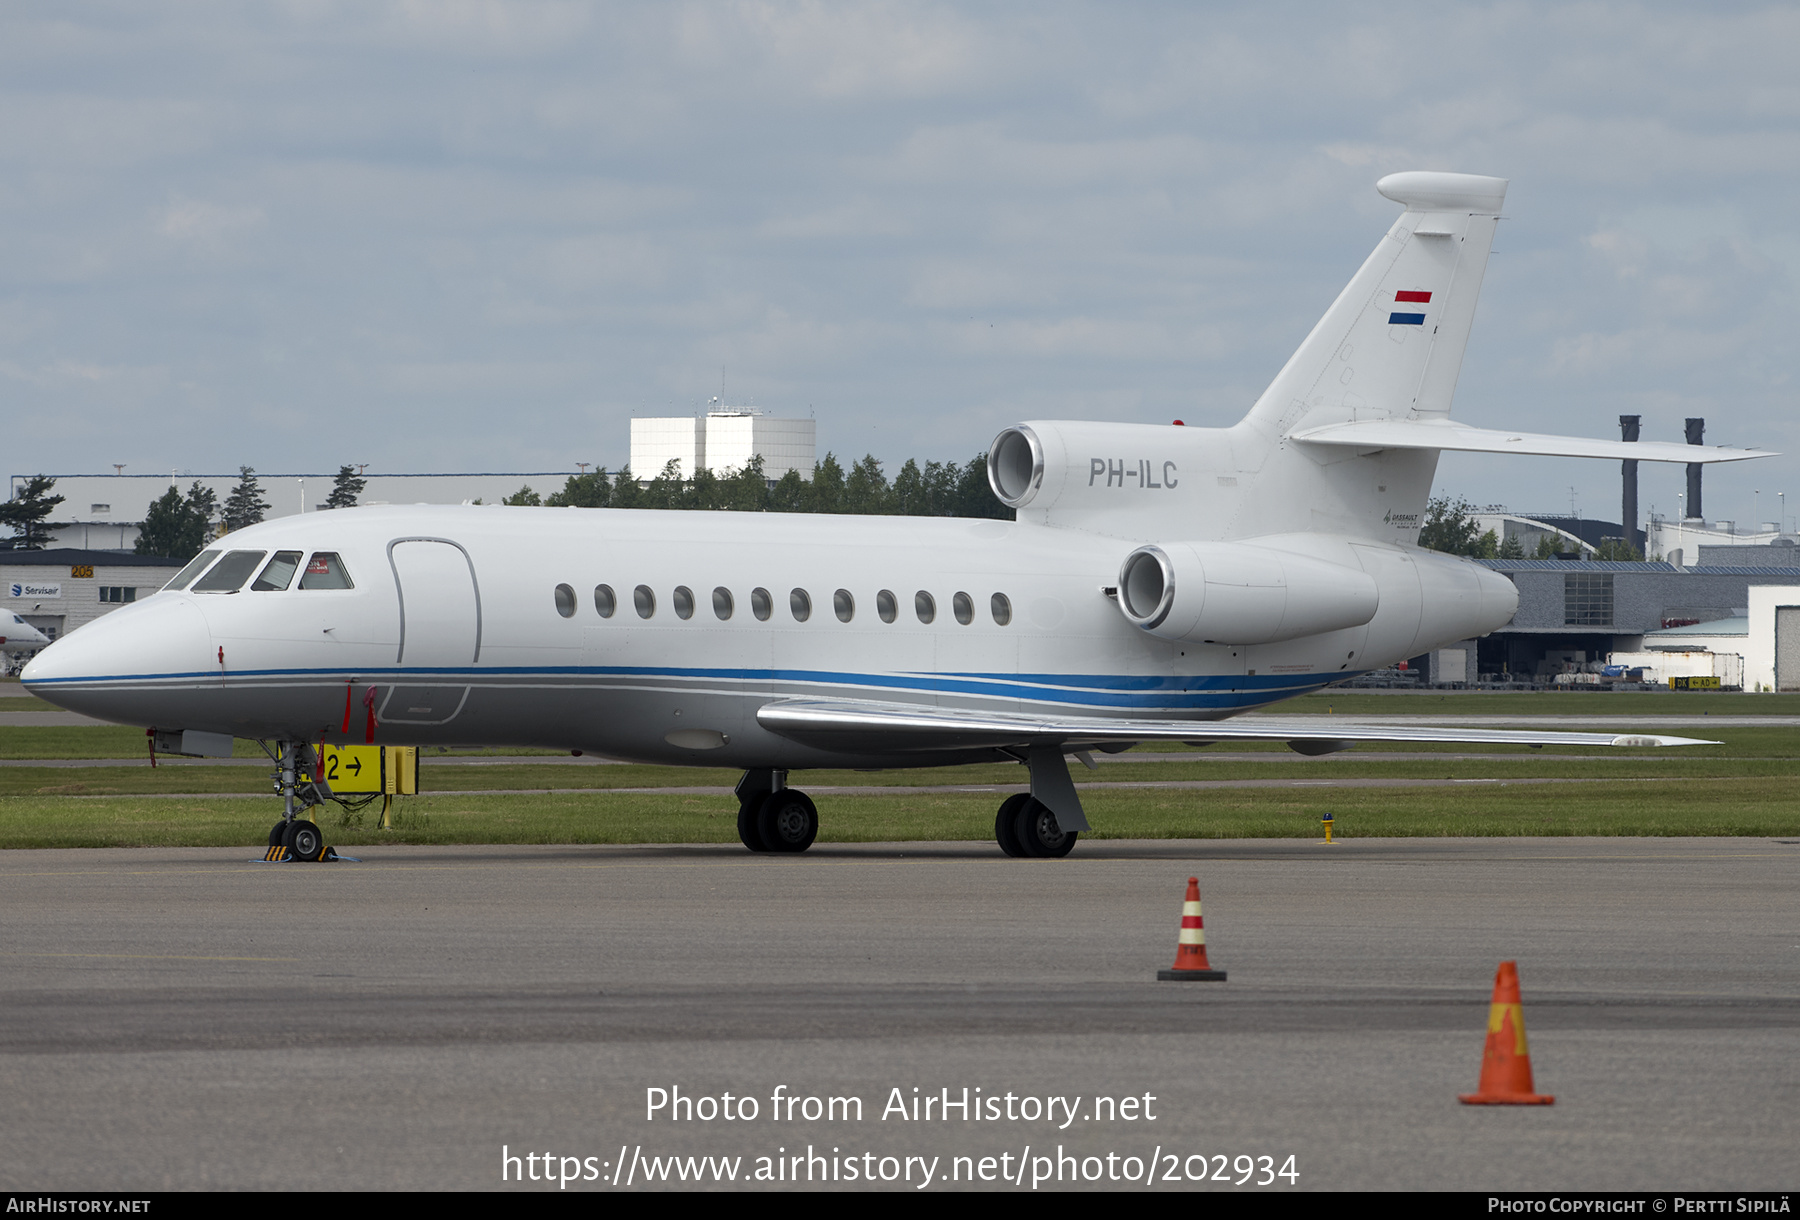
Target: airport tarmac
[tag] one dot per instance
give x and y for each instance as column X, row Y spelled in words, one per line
column 185, row 1019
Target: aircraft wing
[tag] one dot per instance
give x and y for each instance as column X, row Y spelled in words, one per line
column 857, row 726
column 1447, row 434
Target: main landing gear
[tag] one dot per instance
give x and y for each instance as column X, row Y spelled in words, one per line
column 1026, row 827
column 773, row 816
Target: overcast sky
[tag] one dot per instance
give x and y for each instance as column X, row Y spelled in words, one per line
column 482, row 236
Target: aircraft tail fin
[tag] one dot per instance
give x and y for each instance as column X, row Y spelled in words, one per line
column 1391, row 345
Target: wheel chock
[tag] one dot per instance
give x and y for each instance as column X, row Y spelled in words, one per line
column 281, row 855
column 1191, row 965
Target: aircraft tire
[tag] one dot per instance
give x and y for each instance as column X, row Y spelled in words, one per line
column 788, row 821
column 748, row 812
column 278, row 834
column 304, row 840
column 1039, row 833
column 1006, row 824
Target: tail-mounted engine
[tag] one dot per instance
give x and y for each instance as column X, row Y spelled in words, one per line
column 1239, row 593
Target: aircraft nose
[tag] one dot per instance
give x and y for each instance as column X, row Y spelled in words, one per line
column 108, row 668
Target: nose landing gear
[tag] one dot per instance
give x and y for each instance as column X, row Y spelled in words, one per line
column 296, row 837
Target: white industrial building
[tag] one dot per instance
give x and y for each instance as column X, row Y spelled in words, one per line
column 722, row 441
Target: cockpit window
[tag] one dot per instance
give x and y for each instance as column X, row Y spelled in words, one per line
column 196, row 565
column 325, row 571
column 230, row 573
column 279, row 574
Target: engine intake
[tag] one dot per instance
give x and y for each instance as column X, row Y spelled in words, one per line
column 1236, row 593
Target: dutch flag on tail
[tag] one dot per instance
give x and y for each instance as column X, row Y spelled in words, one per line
column 1409, row 297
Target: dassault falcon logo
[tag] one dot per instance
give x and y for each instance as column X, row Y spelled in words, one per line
column 1402, row 520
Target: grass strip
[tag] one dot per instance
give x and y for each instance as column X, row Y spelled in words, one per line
column 1755, row 807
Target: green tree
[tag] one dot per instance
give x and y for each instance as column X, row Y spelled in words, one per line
column 1512, row 548
column 1619, row 549
column 25, row 512
column 177, row 526
column 245, row 505
column 667, row 489
column 582, row 491
column 866, row 488
column 940, row 488
column 909, row 492
column 826, row 494
column 626, row 491
column 1449, row 528
column 523, row 498
column 704, row 491
column 974, row 496
column 790, row 494
column 746, row 490
column 344, row 489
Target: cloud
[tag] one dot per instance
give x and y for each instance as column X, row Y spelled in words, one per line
column 206, row 226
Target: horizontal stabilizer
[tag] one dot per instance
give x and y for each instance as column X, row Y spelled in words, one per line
column 1446, row 434
column 853, row 726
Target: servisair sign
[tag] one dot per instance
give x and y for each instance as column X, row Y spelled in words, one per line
column 27, row 588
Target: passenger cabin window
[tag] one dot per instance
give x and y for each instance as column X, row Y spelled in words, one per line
column 325, row 571
column 844, row 605
column 196, row 565
column 925, row 606
column 800, row 602
column 279, row 574
column 684, row 602
column 565, row 601
column 230, row 573
column 965, row 608
column 762, row 604
column 1001, row 606
column 722, row 606
column 645, row 601
column 604, row 601
column 886, row 606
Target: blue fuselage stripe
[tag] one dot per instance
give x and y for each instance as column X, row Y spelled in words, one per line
column 1098, row 690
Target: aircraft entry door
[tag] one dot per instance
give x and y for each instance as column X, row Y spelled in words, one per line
column 440, row 630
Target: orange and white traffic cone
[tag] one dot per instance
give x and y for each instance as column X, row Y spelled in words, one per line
column 1505, row 1060
column 1191, row 965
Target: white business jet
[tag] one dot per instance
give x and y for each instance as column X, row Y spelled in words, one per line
column 1157, row 580
column 17, row 638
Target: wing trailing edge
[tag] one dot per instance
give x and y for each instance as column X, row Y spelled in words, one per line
column 855, row 726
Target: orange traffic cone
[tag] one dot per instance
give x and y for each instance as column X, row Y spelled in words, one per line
column 1191, row 965
column 1505, row 1061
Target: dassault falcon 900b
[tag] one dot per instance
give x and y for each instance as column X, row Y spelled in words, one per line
column 1156, row 581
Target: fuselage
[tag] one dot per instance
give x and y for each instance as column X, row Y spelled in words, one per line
column 657, row 635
